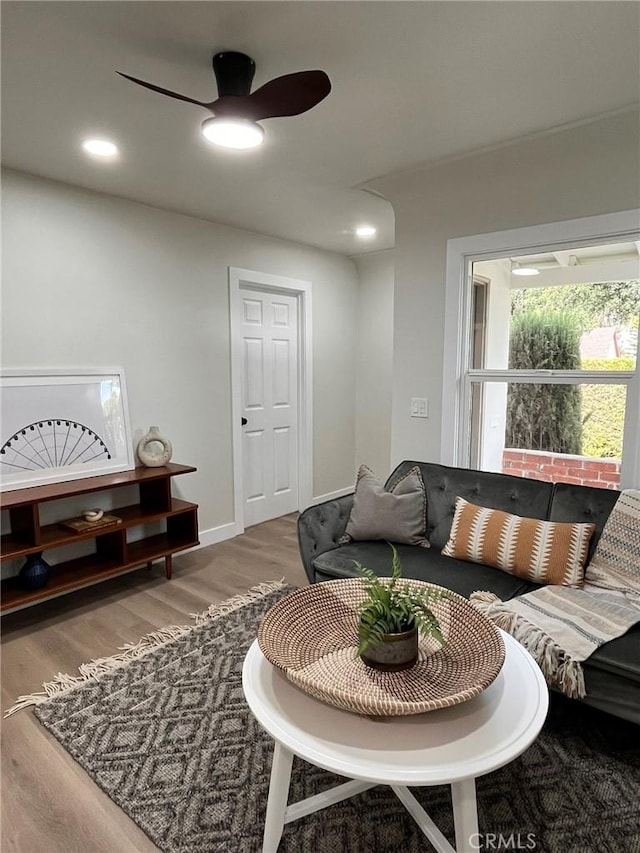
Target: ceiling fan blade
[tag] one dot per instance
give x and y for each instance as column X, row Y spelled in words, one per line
column 155, row 88
column 288, row 95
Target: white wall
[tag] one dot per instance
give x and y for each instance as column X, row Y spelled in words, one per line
column 374, row 341
column 91, row 280
column 583, row 171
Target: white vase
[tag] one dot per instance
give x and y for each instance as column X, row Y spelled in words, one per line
column 154, row 449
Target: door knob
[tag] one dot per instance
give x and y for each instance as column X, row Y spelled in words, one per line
column 243, row 421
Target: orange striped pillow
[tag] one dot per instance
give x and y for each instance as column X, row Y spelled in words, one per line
column 541, row 551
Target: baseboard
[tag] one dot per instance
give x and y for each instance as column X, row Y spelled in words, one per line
column 227, row 531
column 214, row 535
column 331, row 496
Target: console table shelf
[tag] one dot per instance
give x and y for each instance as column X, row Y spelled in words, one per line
column 116, row 552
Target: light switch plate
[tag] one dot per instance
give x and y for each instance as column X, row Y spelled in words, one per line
column 419, row 407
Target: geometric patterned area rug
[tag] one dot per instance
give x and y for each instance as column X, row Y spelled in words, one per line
column 164, row 730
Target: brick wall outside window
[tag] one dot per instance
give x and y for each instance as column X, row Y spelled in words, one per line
column 562, row 468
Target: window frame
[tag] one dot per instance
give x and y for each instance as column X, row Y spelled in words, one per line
column 459, row 376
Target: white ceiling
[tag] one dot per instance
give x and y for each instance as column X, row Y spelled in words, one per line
column 412, row 82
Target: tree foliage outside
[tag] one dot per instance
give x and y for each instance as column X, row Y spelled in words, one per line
column 613, row 303
column 588, row 306
column 544, row 417
column 603, row 410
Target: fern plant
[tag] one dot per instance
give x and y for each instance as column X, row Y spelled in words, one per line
column 391, row 609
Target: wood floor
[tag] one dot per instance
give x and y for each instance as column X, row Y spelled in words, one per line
column 49, row 804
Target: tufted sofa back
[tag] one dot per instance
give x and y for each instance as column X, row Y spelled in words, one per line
column 583, row 503
column 498, row 491
column 531, row 498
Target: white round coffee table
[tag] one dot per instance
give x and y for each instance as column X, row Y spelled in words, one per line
column 450, row 746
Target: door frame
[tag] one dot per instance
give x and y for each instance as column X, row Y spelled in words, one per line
column 243, row 279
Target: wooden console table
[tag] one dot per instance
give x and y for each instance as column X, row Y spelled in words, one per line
column 114, row 552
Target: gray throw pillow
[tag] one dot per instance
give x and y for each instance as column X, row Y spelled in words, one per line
column 399, row 515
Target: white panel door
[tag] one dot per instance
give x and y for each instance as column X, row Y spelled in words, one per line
column 269, row 332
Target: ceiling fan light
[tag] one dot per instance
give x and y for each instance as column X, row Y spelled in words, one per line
column 232, row 132
column 518, row 270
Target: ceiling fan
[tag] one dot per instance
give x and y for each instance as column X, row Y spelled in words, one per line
column 236, row 109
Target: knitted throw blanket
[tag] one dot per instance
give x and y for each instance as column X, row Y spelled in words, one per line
column 562, row 626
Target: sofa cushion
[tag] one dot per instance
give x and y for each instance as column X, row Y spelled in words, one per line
column 420, row 563
column 620, row 656
column 539, row 551
column 398, row 514
column 610, row 691
column 500, row 491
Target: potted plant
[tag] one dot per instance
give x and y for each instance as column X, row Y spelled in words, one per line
column 391, row 616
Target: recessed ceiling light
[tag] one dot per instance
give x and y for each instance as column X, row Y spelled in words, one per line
column 232, row 133
column 365, row 231
column 100, row 148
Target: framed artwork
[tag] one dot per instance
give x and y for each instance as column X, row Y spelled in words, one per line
column 58, row 425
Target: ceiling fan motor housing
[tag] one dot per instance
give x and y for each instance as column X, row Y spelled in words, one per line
column 234, row 73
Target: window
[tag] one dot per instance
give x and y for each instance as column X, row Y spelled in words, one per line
column 547, row 382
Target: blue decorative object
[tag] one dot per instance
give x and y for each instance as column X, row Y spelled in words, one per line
column 35, row 572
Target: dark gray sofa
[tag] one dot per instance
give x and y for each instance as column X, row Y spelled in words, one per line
column 612, row 673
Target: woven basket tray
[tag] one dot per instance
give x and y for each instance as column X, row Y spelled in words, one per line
column 311, row 635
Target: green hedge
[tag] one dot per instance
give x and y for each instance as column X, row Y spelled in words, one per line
column 603, row 410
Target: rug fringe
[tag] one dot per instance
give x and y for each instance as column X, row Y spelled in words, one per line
column 214, row 611
column 63, row 682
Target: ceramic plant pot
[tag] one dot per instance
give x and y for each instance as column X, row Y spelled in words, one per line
column 394, row 652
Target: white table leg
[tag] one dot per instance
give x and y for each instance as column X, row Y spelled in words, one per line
column 465, row 815
column 428, row 827
column 278, row 797
column 326, row 798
